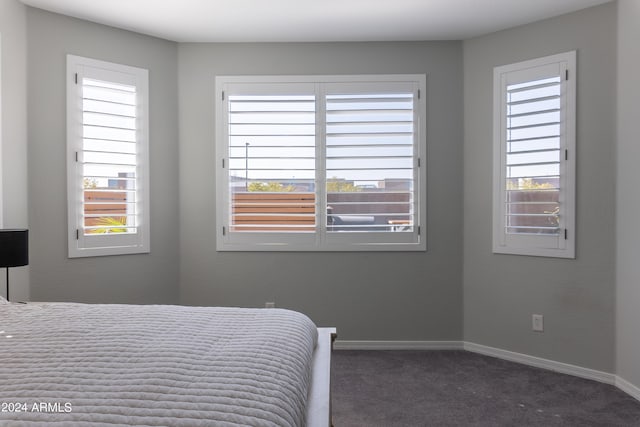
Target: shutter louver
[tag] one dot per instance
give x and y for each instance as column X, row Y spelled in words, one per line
column 108, row 157
column 533, row 155
column 272, row 163
column 370, row 162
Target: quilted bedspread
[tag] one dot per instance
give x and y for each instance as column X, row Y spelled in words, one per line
column 84, row 364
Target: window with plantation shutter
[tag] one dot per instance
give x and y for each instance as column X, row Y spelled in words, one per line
column 534, row 157
column 320, row 163
column 107, row 158
column 272, row 162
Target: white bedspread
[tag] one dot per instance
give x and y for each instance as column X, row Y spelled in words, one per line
column 81, row 364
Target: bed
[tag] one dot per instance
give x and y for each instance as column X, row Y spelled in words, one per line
column 107, row 364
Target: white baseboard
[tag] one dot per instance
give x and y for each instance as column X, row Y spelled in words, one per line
column 397, row 345
column 628, row 388
column 552, row 365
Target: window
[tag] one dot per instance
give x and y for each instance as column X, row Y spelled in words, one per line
column 107, row 149
column 321, row 163
column 534, row 157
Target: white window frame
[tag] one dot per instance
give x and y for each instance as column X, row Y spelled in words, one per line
column 79, row 244
column 320, row 240
column 563, row 244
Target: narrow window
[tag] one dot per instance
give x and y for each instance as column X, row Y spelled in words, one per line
column 107, row 142
column 534, row 157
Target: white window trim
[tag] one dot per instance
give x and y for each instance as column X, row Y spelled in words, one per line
column 80, row 245
column 534, row 245
column 320, row 241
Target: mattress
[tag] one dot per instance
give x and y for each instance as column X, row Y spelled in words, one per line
column 77, row 364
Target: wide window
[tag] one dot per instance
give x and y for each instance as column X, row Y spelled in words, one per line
column 107, row 143
column 321, row 163
column 534, row 157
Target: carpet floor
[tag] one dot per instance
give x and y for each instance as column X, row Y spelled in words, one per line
column 460, row 388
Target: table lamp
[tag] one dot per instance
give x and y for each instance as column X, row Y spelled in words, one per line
column 14, row 250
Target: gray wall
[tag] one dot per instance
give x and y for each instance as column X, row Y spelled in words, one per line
column 368, row 296
column 628, row 196
column 13, row 152
column 576, row 297
column 145, row 278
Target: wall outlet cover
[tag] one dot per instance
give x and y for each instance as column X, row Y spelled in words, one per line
column 537, row 322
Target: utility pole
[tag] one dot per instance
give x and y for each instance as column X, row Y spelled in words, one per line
column 246, row 166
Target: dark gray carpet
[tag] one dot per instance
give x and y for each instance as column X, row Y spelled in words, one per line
column 459, row 388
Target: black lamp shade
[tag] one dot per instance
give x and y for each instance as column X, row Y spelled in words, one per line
column 14, row 248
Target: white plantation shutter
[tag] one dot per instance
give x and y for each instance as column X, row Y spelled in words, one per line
column 108, row 150
column 534, row 157
column 272, row 162
column 320, row 163
column 108, row 156
column 370, row 142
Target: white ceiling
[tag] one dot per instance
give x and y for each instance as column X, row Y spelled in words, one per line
column 307, row 20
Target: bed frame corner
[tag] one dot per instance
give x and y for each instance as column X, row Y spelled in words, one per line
column 319, row 402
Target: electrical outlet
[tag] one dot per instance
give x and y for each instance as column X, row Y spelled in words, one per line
column 269, row 305
column 537, row 322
